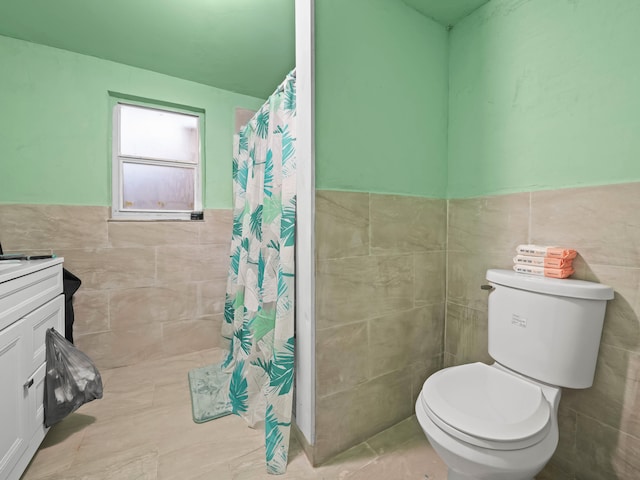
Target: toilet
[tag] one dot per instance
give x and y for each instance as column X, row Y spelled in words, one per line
column 499, row 421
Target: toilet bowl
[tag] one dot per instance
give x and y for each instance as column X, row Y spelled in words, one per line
column 499, row 422
column 488, row 423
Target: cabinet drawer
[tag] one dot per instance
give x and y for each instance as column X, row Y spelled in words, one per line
column 24, row 294
column 35, row 327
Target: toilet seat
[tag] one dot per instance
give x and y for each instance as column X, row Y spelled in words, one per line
column 487, row 407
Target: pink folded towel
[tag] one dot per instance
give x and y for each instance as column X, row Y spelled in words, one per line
column 542, row 271
column 548, row 262
column 541, row 251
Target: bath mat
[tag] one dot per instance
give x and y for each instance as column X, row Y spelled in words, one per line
column 209, row 393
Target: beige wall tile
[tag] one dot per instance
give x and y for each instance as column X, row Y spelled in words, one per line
column 55, row 227
column 420, row 371
column 392, row 439
column 346, row 418
column 466, row 334
column 466, row 272
column 613, row 399
column 622, row 323
column 191, row 335
column 192, row 263
column 600, row 222
column 344, row 464
column 211, row 297
column 562, row 464
column 136, row 234
column 489, row 224
column 118, row 348
column 430, row 277
column 119, row 259
column 342, row 224
column 217, row 227
column 108, row 268
column 449, row 360
column 398, row 340
column 136, row 306
column 605, row 452
column 91, row 311
column 341, row 358
column 552, row 471
column 401, row 224
column 353, row 289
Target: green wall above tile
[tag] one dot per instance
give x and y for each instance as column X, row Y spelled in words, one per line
column 55, row 124
column 381, row 98
column 544, row 95
column 541, row 95
column 519, row 96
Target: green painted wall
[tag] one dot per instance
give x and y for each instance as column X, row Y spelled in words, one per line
column 55, row 124
column 544, row 95
column 381, row 98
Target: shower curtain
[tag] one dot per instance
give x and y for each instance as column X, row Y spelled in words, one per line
column 259, row 304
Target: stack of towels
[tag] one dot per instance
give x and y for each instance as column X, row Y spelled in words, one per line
column 554, row 262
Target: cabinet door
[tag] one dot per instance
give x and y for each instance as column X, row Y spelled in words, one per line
column 35, row 405
column 13, row 440
column 36, row 324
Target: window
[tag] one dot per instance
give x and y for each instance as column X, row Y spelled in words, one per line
column 156, row 163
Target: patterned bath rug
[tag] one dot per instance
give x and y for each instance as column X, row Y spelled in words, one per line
column 209, row 393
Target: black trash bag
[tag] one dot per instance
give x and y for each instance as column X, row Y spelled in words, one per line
column 70, row 284
column 71, row 380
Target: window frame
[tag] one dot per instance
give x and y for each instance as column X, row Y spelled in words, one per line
column 117, row 161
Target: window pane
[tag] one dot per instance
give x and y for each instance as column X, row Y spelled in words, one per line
column 155, row 187
column 150, row 133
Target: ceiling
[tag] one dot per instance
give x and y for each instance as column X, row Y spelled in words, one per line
column 445, row 12
column 245, row 46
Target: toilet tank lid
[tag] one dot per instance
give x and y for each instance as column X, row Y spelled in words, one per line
column 551, row 286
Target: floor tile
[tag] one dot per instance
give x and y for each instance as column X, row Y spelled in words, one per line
column 143, row 429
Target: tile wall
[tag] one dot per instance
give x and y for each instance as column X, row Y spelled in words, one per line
column 149, row 289
column 156, row 289
column 380, row 292
column 600, row 426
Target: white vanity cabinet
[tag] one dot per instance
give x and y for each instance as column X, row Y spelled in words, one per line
column 31, row 301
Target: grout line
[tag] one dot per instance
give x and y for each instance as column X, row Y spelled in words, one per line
column 370, row 242
column 378, row 316
column 530, row 226
column 605, row 424
column 466, row 306
column 446, row 281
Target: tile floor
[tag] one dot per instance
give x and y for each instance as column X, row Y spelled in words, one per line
column 142, row 429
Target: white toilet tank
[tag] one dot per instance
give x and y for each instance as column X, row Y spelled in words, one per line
column 546, row 328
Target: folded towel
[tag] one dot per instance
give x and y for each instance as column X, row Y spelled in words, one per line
column 542, row 271
column 548, row 262
column 541, row 251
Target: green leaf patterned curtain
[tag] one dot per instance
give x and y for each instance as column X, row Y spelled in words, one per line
column 259, row 305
